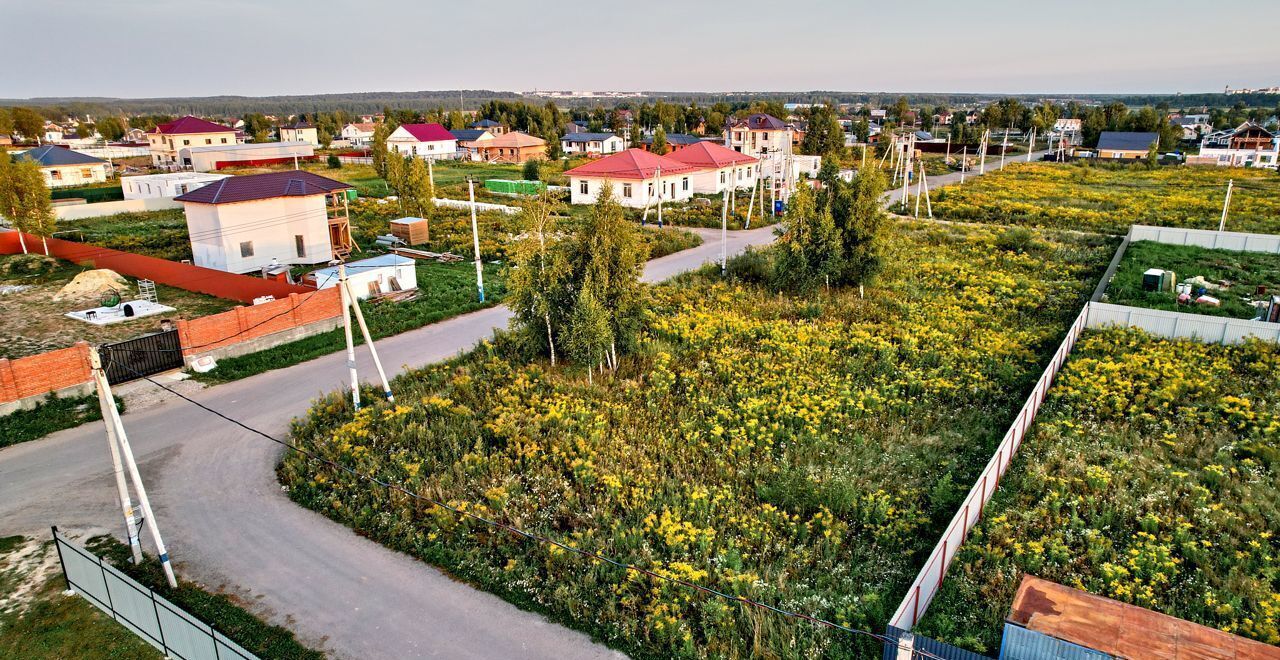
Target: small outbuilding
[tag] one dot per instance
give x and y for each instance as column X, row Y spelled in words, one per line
column 370, row 277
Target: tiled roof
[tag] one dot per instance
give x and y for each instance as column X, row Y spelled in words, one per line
column 263, row 186
column 190, row 124
column 51, row 155
column 515, row 139
column 631, row 164
column 760, row 122
column 710, row 154
column 427, row 132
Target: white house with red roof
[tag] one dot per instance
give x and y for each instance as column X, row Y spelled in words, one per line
column 167, row 140
column 638, row 178
column 719, row 168
column 431, row 141
column 242, row 223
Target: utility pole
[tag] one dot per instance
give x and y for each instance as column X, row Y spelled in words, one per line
column 475, row 237
column 104, row 400
column 344, row 294
column 657, row 174
column 982, row 160
column 1004, row 144
column 964, row 162
column 148, row 515
column 1225, row 204
column 919, row 190
column 1032, row 146
column 724, row 234
column 352, row 304
column 924, row 180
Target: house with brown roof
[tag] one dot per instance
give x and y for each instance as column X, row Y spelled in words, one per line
column 759, row 133
column 300, row 132
column 512, row 147
column 242, row 223
column 358, row 134
column 167, row 140
column 719, row 168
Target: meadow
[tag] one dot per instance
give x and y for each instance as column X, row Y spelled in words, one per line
column 1149, row 477
column 1109, row 198
column 804, row 452
column 1245, row 271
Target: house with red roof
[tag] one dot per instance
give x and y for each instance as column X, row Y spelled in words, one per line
column 719, row 168
column 167, row 140
column 240, row 224
column 638, row 178
column 430, row 141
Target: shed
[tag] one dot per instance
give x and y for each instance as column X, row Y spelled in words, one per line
column 414, row 231
column 371, row 277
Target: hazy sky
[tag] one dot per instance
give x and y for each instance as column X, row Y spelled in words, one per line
column 140, row 48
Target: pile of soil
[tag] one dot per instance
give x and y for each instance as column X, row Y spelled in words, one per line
column 93, row 284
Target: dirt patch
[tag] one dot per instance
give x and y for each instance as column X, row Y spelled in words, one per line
column 94, row 284
column 25, row 567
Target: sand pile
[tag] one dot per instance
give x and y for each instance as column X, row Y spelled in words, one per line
column 93, row 284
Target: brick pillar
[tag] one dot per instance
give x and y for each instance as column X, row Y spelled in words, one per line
column 86, row 366
column 184, row 336
column 8, row 383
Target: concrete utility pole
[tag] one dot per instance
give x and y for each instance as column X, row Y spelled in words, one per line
column 364, row 330
column 924, row 180
column 724, row 234
column 1226, row 203
column 1004, row 145
column 475, row 237
column 122, row 488
column 113, row 418
column 964, row 162
column 343, row 293
column 1032, row 144
column 657, row 175
column 982, row 160
column 919, row 190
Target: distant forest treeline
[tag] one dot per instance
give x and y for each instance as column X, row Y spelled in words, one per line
column 372, row 102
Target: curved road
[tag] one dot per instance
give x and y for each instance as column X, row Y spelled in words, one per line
column 229, row 525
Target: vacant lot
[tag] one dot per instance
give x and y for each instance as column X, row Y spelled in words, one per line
column 803, row 452
column 33, row 322
column 1150, row 477
column 1244, row 272
column 1109, row 198
column 160, row 234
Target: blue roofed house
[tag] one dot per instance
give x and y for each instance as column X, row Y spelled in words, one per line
column 470, row 141
column 592, row 143
column 1125, row 145
column 64, row 167
column 494, row 128
column 674, row 141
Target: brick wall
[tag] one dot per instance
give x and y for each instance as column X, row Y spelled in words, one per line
column 242, row 324
column 47, row 372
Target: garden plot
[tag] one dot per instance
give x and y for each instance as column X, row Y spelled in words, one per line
column 1109, row 198
column 802, row 452
column 1149, row 477
column 1236, row 280
column 35, row 307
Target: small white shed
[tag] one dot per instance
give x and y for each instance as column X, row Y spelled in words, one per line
column 371, row 277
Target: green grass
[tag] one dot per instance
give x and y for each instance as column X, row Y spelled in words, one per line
column 51, row 415
column 1245, row 270
column 56, row 626
column 160, row 234
column 444, row 290
column 219, row 611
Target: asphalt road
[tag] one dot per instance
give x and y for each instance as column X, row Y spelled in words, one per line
column 891, row 197
column 229, row 525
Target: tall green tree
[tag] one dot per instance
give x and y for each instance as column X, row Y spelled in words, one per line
column 24, row 200
column 863, row 224
column 28, row 123
column 809, row 249
column 379, row 149
column 416, row 191
column 590, row 335
column 111, row 128
column 634, row 137
column 659, row 145
column 6, row 121
column 824, row 136
column 537, row 277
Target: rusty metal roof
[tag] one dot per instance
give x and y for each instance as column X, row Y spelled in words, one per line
column 1124, row 630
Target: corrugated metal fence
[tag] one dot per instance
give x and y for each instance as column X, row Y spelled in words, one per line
column 148, row 615
column 1219, row 240
column 1181, row 325
column 906, row 646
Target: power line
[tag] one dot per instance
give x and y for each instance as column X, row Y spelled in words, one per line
column 533, row 536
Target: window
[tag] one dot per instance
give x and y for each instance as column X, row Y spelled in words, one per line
column 300, row 244
column 415, row 150
column 626, row 190
column 722, row 177
column 246, row 249
column 56, row 175
column 208, row 140
column 224, row 140
column 186, row 142
column 431, row 147
column 583, row 188
column 651, row 190
column 86, row 173
column 684, row 184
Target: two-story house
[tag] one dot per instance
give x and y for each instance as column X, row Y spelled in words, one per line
column 759, row 134
column 166, row 140
column 429, row 141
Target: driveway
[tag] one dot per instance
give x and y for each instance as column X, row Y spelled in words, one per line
column 229, row 525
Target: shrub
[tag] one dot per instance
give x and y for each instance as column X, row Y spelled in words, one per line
column 334, row 162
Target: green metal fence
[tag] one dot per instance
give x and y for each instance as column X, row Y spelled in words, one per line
column 512, row 187
column 89, row 195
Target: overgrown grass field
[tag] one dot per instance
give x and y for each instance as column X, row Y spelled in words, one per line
column 1109, row 198
column 804, row 452
column 1246, row 271
column 1150, row 477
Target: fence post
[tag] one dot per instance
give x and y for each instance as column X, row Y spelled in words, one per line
column 107, row 588
column 159, row 625
column 57, row 545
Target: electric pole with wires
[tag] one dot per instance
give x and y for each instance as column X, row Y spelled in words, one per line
column 120, row 448
column 350, row 305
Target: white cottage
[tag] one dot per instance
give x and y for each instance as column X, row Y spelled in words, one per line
column 719, row 168
column 430, row 141
column 638, row 179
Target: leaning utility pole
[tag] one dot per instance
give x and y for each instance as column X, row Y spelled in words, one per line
column 104, row 400
column 351, row 304
column 982, row 161
column 1225, row 204
column 964, row 162
column 113, row 418
column 475, row 237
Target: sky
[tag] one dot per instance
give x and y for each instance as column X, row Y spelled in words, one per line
column 162, row 48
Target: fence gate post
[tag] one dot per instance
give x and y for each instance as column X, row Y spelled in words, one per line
column 159, row 624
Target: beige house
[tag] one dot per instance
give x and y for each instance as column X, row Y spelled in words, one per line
column 167, row 140
column 300, row 132
column 719, row 168
column 760, row 134
column 513, row 147
column 63, row 167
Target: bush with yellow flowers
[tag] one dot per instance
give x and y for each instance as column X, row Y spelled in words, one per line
column 1150, row 477
column 1110, row 198
column 802, row 452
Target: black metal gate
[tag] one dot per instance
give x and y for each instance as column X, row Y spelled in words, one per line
column 141, row 356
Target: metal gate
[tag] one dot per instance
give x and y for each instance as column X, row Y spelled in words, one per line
column 141, row 356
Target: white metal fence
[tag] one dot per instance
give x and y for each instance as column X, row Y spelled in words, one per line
column 1181, row 325
column 148, row 615
column 1220, row 240
column 929, row 580
column 480, row 206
